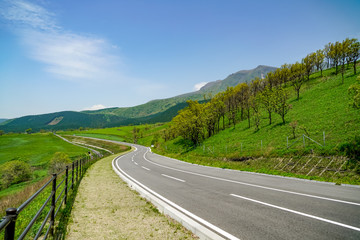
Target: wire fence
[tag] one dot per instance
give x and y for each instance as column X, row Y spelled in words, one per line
column 44, row 205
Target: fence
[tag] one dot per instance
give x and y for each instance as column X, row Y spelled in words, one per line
column 67, row 178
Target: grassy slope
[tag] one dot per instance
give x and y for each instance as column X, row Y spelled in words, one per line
column 35, row 149
column 323, row 106
column 124, row 133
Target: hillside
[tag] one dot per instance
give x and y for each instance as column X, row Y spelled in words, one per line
column 59, row 120
column 162, row 110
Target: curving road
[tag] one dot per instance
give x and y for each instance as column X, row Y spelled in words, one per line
column 247, row 205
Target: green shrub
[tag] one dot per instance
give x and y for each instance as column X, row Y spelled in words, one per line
column 352, row 149
column 58, row 162
column 14, row 172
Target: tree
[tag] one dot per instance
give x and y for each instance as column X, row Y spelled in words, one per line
column 309, row 63
column 335, row 51
column 218, row 100
column 285, row 73
column 28, row 131
column 2, row 132
column 189, row 123
column 210, row 118
column 136, row 136
column 58, row 162
column 281, row 105
column 255, row 106
column 344, row 53
column 14, row 172
column 243, row 92
column 231, row 102
column 354, row 52
column 297, row 71
column 267, row 99
column 327, row 54
column 319, row 60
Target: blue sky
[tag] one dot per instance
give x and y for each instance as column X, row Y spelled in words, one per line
column 86, row 54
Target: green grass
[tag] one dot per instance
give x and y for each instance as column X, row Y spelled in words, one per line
column 35, row 149
column 123, row 134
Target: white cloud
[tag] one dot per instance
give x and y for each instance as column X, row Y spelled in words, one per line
column 95, row 107
column 27, row 14
column 66, row 55
column 198, row 86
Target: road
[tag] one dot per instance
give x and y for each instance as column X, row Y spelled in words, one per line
column 247, row 205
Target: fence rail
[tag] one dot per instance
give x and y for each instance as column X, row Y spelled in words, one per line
column 62, row 183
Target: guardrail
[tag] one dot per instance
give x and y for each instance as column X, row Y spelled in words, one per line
column 65, row 180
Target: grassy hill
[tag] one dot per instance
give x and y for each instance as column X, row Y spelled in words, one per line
column 36, row 150
column 162, row 110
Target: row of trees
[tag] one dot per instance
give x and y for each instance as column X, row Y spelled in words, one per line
column 246, row 101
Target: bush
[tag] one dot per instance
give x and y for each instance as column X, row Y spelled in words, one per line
column 352, row 149
column 14, row 172
column 58, row 162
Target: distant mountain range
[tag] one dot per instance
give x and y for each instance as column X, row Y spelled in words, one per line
column 161, row 110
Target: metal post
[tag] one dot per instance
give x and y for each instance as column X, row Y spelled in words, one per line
column 53, row 201
column 77, row 170
column 287, row 142
column 324, row 137
column 304, row 140
column 10, row 229
column 72, row 176
column 66, row 183
column 261, row 145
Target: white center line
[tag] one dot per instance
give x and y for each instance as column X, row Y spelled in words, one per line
column 251, row 185
column 299, row 213
column 173, row 178
column 136, row 163
column 145, row 168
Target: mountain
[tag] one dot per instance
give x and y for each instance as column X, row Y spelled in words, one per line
column 3, row 120
column 160, row 105
column 160, row 110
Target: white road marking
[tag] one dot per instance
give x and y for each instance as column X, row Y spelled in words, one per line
column 173, row 177
column 145, row 168
column 193, row 216
column 254, row 185
column 299, row 213
column 136, row 163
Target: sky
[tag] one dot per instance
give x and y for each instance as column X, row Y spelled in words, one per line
column 58, row 55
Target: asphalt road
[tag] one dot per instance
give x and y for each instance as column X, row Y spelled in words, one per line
column 248, row 205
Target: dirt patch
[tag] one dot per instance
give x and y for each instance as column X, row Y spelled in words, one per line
column 106, row 208
column 55, row 121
